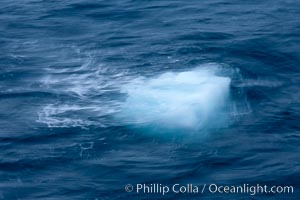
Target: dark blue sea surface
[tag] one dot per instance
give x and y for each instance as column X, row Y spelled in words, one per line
column 98, row 94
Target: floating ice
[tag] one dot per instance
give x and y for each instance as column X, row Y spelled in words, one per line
column 186, row 100
column 210, row 96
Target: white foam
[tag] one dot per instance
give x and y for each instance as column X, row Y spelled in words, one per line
column 50, row 115
column 190, row 99
column 82, row 88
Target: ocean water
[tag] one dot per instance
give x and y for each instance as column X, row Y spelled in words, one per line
column 95, row 95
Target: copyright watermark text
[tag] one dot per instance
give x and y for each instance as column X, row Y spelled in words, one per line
column 248, row 189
